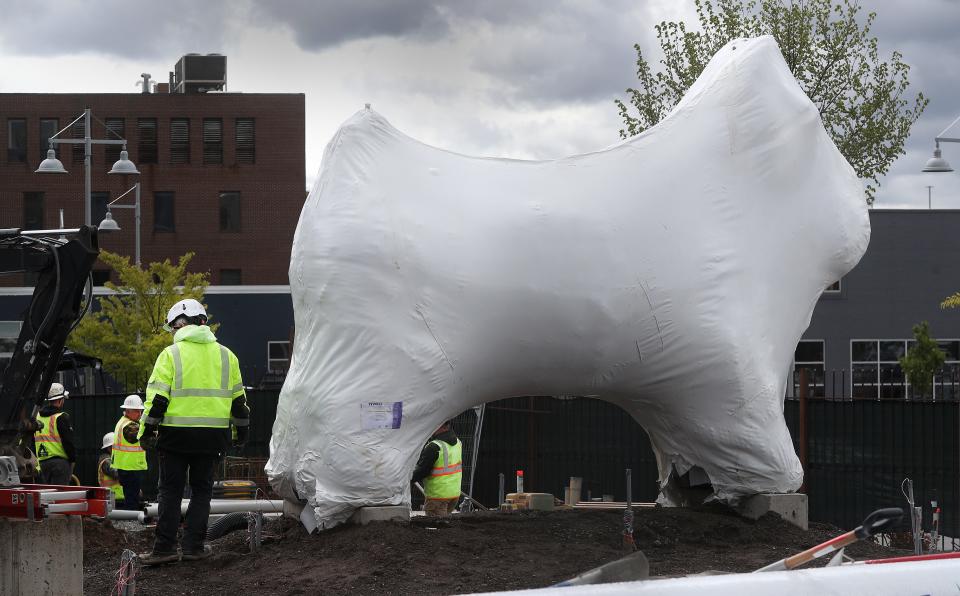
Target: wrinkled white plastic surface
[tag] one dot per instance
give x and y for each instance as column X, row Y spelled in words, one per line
column 890, row 579
column 671, row 274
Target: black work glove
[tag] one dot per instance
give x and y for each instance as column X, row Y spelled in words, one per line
column 243, row 433
column 149, row 438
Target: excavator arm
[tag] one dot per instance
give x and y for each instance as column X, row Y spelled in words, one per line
column 62, row 261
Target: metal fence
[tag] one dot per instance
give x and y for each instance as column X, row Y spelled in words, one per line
column 858, row 451
column 885, row 382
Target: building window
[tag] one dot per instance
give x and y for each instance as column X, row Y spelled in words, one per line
column 809, row 355
column 278, row 356
column 833, row 288
column 945, row 382
column 246, row 141
column 33, row 211
column 100, row 276
column 76, row 131
column 230, row 211
column 147, row 140
column 875, row 371
column 230, row 277
column 48, row 128
column 212, row 140
column 180, row 140
column 9, row 332
column 16, row 139
column 163, row 220
column 116, row 130
column 98, row 206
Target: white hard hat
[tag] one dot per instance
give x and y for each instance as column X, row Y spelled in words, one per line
column 132, row 402
column 107, row 441
column 57, row 392
column 186, row 307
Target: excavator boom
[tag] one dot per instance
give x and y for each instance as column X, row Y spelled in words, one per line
column 62, row 261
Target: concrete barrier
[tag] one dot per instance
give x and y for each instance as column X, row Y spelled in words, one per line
column 790, row 506
column 41, row 558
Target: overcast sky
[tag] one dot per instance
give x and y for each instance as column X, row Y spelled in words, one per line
column 524, row 79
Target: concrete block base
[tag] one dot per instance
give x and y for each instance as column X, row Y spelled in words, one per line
column 790, row 506
column 365, row 515
column 40, row 558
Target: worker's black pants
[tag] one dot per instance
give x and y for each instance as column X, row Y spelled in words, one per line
column 130, row 481
column 55, row 470
column 174, row 470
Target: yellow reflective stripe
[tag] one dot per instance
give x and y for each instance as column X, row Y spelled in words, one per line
column 240, row 421
column 159, row 387
column 127, row 448
column 177, row 367
column 200, row 392
column 46, row 438
column 196, row 421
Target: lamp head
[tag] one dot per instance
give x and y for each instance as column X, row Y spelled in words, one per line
column 937, row 163
column 108, row 224
column 51, row 165
column 123, row 165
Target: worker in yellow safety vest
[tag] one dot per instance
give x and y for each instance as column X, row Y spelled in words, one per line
column 440, row 467
column 128, row 456
column 106, row 474
column 54, row 440
column 194, row 395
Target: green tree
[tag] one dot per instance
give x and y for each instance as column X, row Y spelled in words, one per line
column 832, row 55
column 126, row 331
column 951, row 301
column 923, row 360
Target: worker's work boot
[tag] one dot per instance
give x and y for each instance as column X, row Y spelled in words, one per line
column 203, row 553
column 159, row 558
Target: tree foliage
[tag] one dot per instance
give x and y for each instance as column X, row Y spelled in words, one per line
column 923, row 360
column 832, row 55
column 951, row 301
column 126, row 330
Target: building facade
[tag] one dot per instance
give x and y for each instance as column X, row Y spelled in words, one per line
column 860, row 329
column 221, row 175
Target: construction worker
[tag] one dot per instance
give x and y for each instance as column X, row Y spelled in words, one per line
column 129, row 458
column 106, row 474
column 440, row 468
column 54, row 440
column 194, row 395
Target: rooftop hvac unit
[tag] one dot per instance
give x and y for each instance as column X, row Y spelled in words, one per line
column 195, row 73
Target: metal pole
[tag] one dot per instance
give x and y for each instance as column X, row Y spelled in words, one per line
column 804, row 390
column 500, row 493
column 87, row 144
column 929, row 199
column 136, row 216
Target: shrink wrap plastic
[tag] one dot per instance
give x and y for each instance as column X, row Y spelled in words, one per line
column 671, row 274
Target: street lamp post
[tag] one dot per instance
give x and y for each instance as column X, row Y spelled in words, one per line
column 937, row 163
column 110, row 225
column 52, row 165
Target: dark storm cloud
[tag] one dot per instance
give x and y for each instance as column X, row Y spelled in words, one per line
column 543, row 51
column 125, row 29
column 323, row 24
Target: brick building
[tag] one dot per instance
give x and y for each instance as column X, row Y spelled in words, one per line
column 221, row 174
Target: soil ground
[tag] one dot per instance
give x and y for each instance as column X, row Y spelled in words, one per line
column 474, row 552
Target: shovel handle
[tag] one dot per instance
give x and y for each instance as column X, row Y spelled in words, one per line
column 876, row 522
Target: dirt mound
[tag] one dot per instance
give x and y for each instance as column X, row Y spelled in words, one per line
column 470, row 553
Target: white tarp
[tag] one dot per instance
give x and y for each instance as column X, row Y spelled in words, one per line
column 671, row 274
column 890, row 579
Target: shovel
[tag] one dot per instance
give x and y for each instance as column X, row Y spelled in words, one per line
column 631, row 568
column 876, row 522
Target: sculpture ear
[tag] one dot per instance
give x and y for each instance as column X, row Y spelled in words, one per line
column 773, row 126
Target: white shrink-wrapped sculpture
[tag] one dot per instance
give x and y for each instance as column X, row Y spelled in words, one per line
column 671, row 274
